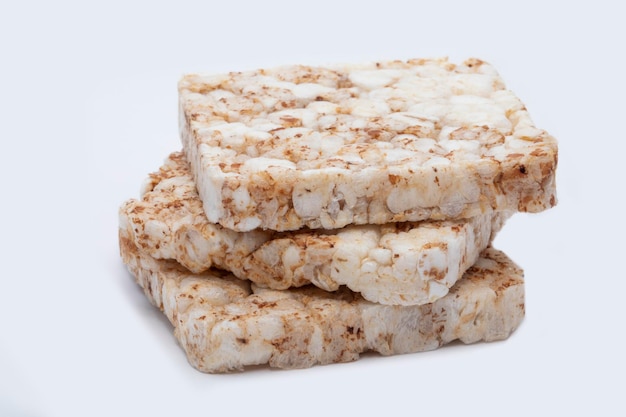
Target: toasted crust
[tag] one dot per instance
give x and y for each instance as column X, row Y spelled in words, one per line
column 223, row 324
column 395, row 264
column 325, row 147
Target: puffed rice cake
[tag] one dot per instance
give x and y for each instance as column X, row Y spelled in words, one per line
column 397, row 263
column 326, row 147
column 225, row 324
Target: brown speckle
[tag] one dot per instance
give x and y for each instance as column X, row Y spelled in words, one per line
column 394, row 179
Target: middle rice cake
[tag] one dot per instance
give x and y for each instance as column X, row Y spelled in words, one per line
column 409, row 263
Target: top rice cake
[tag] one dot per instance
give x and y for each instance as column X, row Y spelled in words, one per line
column 324, row 147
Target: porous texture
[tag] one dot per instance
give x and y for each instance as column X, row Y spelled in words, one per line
column 224, row 324
column 396, row 263
column 325, row 147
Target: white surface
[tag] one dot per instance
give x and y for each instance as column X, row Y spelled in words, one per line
column 88, row 105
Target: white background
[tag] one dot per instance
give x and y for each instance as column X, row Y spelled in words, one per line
column 88, row 108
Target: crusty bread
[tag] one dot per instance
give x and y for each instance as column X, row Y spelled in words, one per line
column 225, row 324
column 396, row 263
column 325, row 147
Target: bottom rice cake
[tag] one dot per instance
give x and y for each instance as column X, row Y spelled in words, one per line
column 225, row 324
column 395, row 264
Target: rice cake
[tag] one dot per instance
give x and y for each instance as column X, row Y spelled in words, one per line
column 325, row 147
column 225, row 324
column 395, row 264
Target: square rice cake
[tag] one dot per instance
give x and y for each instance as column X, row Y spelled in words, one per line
column 225, row 324
column 325, row 147
column 396, row 263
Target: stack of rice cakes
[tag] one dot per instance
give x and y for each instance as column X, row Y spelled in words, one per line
column 317, row 213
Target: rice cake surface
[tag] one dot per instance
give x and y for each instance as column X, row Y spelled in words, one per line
column 395, row 264
column 225, row 324
column 325, row 147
